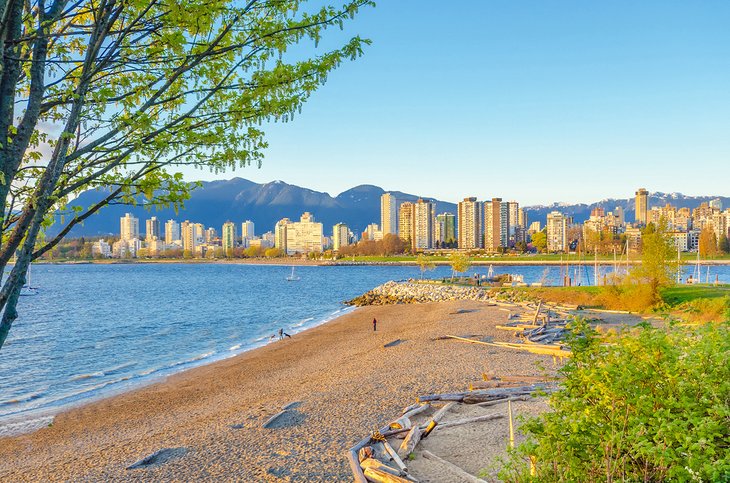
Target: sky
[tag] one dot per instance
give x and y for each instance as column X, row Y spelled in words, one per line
column 535, row 101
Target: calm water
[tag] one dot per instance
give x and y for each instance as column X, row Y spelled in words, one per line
column 95, row 329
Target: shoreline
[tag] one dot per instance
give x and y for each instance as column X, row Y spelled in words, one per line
column 337, row 370
column 25, row 420
column 288, row 262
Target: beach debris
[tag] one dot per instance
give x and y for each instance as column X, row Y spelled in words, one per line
column 393, row 343
column 158, row 458
column 544, row 349
column 411, row 441
column 475, row 419
column 436, row 418
column 473, row 397
column 452, row 467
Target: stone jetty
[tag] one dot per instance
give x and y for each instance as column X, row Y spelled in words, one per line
column 414, row 292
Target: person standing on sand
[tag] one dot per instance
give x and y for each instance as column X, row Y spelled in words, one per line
column 375, row 325
column 281, row 334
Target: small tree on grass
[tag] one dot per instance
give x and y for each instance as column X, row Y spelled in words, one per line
column 424, row 263
column 460, row 263
column 659, row 262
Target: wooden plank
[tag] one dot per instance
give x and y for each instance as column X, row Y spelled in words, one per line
column 506, row 399
column 452, row 467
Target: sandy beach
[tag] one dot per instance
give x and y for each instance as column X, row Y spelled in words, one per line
column 348, row 383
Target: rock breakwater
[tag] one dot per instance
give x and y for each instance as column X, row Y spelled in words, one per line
column 413, row 293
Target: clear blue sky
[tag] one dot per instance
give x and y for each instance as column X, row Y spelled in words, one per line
column 537, row 101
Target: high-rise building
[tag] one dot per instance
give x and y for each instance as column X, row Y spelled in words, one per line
column 620, row 215
column 210, row 235
column 228, row 235
column 388, row 214
column 534, row 227
column 129, row 227
column 405, row 222
column 496, row 224
column 642, row 206
column 304, row 236
column 423, row 234
column 514, row 218
column 280, row 234
column 445, row 228
column 340, row 236
column 557, row 232
column 172, row 232
column 247, row 232
column 469, row 218
column 153, row 229
column 189, row 236
column 716, row 204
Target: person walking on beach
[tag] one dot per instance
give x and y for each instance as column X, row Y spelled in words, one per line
column 281, row 334
column 375, row 325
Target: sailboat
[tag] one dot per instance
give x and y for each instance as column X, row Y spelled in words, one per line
column 27, row 289
column 292, row 277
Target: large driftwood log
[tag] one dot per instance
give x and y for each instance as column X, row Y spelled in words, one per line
column 453, row 468
column 475, row 419
column 442, row 397
column 503, row 400
column 380, row 476
column 379, row 465
column 409, row 444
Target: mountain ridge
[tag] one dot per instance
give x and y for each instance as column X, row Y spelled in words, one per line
column 238, row 199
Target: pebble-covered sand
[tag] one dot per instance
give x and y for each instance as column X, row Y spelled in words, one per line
column 348, row 383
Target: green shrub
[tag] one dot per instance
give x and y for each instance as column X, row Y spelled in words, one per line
column 646, row 405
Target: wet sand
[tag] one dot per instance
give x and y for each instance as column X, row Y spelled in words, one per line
column 348, row 383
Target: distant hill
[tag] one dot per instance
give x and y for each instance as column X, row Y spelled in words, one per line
column 238, row 199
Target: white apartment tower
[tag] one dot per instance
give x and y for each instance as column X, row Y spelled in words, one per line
column 153, row 229
column 172, row 231
column 190, row 235
column 247, row 232
column 129, row 227
column 388, row 214
column 469, row 219
column 557, row 232
column 280, row 230
column 423, row 218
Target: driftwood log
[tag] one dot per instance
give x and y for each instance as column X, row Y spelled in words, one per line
column 475, row 419
column 381, row 476
column 379, row 465
column 412, row 439
column 437, row 418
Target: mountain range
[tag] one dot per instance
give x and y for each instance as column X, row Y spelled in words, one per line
column 238, row 199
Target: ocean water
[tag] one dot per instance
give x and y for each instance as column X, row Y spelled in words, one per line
column 98, row 329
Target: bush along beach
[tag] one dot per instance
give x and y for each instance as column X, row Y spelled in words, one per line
column 646, row 404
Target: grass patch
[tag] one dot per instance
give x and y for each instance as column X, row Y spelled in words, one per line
column 695, row 303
